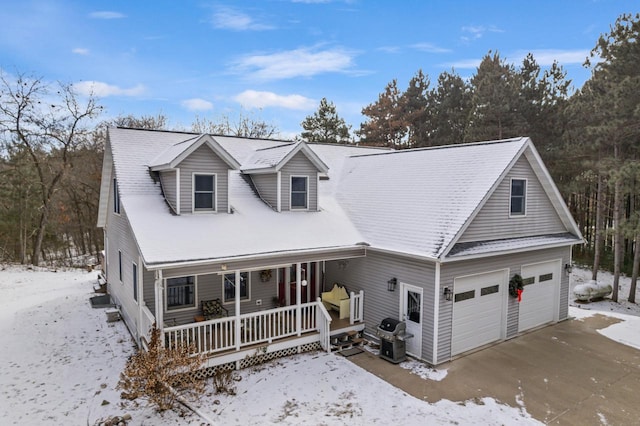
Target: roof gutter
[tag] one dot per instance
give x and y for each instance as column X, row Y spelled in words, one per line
column 273, row 256
column 510, row 251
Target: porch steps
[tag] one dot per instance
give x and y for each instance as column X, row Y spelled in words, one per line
column 350, row 339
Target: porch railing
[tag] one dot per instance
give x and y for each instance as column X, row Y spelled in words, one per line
column 323, row 319
column 258, row 327
column 356, row 307
column 146, row 323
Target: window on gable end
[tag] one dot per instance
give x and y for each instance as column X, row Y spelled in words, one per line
column 116, row 197
column 518, row 197
column 299, row 192
column 204, row 192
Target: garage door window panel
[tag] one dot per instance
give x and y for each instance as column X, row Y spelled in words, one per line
column 485, row 291
column 465, row 295
column 545, row 277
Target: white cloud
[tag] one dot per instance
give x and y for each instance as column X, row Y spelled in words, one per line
column 255, row 99
column 196, row 104
column 545, row 57
column 477, row 31
column 465, row 63
column 80, row 51
column 105, row 14
column 103, row 90
column 429, row 47
column 302, row 62
column 228, row 18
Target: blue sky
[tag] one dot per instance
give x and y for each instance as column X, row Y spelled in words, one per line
column 275, row 59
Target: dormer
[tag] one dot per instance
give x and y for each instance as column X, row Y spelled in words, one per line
column 286, row 176
column 194, row 175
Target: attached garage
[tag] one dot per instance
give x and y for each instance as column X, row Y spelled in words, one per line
column 478, row 310
column 539, row 305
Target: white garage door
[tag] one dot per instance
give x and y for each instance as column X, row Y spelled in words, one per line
column 478, row 310
column 539, row 305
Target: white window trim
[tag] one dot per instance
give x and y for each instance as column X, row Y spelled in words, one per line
column 526, row 191
column 298, row 209
column 116, row 198
column 232, row 301
column 193, row 193
column 195, row 295
column 135, row 279
column 120, row 271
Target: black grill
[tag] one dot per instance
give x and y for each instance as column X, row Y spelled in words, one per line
column 392, row 334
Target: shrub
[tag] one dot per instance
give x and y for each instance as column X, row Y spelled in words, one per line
column 161, row 375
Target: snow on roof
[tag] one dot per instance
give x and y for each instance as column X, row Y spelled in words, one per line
column 252, row 229
column 268, row 157
column 511, row 244
column 413, row 201
column 416, row 201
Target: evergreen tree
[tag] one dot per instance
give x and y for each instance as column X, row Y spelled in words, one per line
column 385, row 126
column 325, row 126
column 451, row 104
column 414, row 110
column 495, row 113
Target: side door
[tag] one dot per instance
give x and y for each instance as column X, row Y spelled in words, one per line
column 411, row 313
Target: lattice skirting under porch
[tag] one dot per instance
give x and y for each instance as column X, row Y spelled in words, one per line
column 258, row 358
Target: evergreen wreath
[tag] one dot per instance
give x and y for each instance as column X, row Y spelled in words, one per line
column 265, row 275
column 515, row 284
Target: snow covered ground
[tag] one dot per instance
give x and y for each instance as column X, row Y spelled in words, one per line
column 60, row 363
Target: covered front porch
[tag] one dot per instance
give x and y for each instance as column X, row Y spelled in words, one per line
column 289, row 317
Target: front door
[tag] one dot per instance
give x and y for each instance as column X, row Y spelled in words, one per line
column 411, row 313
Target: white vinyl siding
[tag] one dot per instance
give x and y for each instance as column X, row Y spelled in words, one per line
column 494, row 221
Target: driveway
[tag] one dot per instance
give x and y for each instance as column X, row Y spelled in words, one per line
column 565, row 374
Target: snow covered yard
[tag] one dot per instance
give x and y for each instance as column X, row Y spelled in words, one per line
column 61, row 361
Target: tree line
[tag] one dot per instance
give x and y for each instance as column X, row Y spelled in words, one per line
column 52, row 144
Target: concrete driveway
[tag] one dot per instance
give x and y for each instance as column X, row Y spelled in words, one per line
column 565, row 374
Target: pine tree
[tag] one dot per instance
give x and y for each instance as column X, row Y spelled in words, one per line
column 414, row 109
column 386, row 125
column 451, row 103
column 325, row 125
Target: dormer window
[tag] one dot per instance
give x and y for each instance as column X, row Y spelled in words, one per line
column 518, row 197
column 204, row 192
column 299, row 192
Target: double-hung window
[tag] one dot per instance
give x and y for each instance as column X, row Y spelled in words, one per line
column 299, row 192
column 518, row 197
column 181, row 292
column 204, row 192
column 230, row 286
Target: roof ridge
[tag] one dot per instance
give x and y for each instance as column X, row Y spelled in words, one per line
column 437, row 147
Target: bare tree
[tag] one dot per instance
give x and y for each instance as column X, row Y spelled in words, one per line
column 49, row 125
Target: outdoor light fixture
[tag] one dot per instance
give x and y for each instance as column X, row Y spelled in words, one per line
column 391, row 284
column 567, row 268
column 447, row 293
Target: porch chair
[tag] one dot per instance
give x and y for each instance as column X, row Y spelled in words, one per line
column 212, row 309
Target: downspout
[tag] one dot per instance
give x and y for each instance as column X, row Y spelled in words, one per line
column 140, row 298
column 436, row 313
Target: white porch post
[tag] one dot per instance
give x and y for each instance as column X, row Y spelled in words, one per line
column 159, row 299
column 287, row 285
column 237, row 308
column 298, row 299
